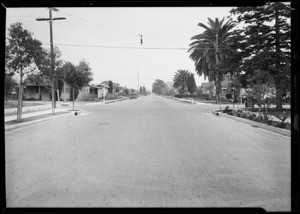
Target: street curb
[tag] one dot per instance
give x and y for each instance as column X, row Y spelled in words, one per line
column 188, row 101
column 112, row 101
column 107, row 102
column 11, row 127
column 215, row 112
column 277, row 130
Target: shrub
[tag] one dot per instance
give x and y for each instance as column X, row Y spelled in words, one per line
column 85, row 97
column 226, row 109
column 281, row 115
column 228, row 96
column 258, row 118
column 250, row 117
column 244, row 115
column 280, row 125
column 230, row 112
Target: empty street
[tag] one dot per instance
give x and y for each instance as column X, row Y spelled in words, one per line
column 147, row 152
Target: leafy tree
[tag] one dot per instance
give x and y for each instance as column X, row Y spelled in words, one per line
column 158, row 86
column 180, row 79
column 10, row 83
column 144, row 91
column 22, row 50
column 210, row 49
column 267, row 43
column 111, row 87
column 126, row 91
column 77, row 76
column 169, row 89
column 23, row 54
column 117, row 89
column 191, row 84
column 46, row 71
column 132, row 91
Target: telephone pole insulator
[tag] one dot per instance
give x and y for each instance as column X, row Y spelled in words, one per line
column 141, row 39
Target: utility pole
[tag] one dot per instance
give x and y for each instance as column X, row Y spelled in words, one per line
column 50, row 19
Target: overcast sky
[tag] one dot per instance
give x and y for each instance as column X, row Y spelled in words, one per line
column 118, row 29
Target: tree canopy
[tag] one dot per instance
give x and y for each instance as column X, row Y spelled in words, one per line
column 180, row 79
column 191, row 84
column 210, row 48
column 77, row 76
column 264, row 44
column 158, row 86
column 22, row 51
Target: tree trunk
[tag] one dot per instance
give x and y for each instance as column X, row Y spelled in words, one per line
column 277, row 43
column 20, row 98
column 73, row 96
column 278, row 99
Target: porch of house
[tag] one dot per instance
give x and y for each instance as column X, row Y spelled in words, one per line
column 36, row 92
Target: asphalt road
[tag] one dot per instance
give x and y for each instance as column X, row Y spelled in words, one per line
column 149, row 152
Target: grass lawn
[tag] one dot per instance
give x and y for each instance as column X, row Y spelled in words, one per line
column 14, row 103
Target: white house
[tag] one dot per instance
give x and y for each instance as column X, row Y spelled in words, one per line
column 93, row 92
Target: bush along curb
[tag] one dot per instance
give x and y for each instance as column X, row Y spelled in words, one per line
column 284, row 132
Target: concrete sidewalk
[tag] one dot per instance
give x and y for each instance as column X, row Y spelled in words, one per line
column 34, row 114
column 37, row 115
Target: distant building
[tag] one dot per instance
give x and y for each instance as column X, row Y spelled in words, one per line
column 208, row 88
column 225, row 86
column 36, row 89
column 93, row 92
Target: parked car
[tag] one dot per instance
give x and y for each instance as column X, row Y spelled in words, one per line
column 133, row 96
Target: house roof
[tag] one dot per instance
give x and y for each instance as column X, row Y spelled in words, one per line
column 106, row 86
column 98, row 86
column 206, row 84
column 226, row 81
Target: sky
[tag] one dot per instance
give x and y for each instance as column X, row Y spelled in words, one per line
column 109, row 39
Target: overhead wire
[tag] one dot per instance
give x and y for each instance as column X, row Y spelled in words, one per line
column 85, row 20
column 128, row 47
column 121, row 47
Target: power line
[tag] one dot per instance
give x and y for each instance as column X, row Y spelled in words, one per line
column 120, row 47
column 98, row 24
column 137, row 48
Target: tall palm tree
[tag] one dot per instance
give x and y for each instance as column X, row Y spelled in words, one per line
column 210, row 48
column 180, row 79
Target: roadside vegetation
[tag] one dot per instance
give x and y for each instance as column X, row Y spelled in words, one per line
column 253, row 50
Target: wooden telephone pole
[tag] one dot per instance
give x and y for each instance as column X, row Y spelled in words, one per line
column 50, row 19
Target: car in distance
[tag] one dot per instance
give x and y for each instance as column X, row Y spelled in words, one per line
column 133, row 96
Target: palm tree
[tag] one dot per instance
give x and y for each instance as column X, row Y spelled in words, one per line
column 211, row 48
column 180, row 79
